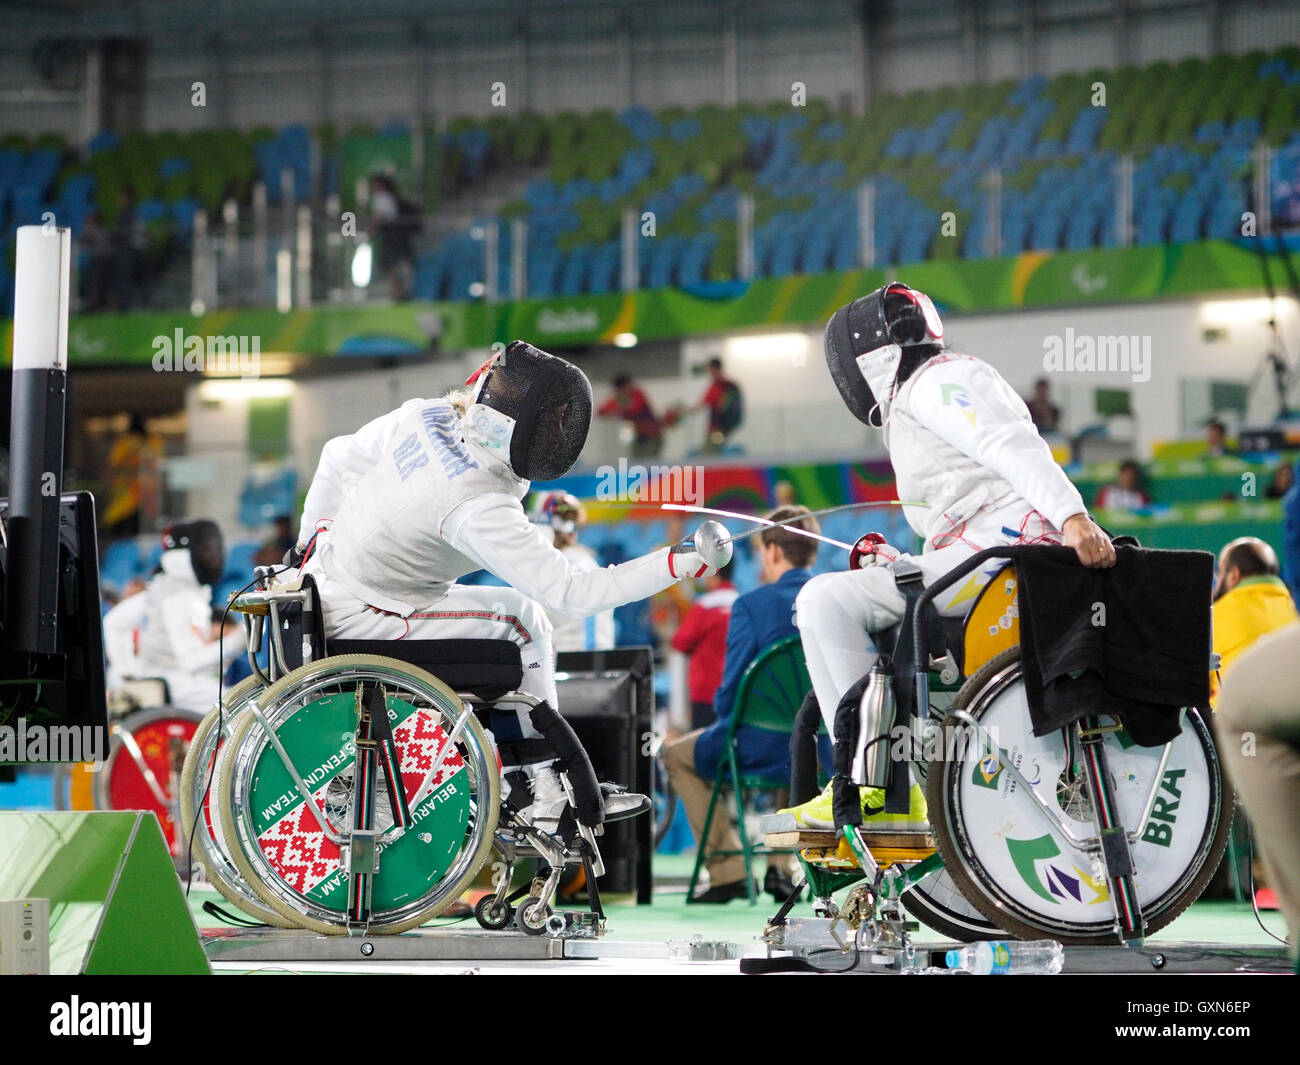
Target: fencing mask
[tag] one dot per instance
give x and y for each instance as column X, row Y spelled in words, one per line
column 893, row 314
column 532, row 409
column 203, row 540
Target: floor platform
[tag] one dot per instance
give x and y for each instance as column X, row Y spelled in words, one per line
column 1177, row 958
column 673, row 936
column 447, row 944
column 430, row 949
column 239, row 949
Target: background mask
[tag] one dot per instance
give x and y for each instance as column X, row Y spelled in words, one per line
column 207, row 549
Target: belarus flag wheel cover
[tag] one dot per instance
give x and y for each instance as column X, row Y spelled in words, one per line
column 320, row 740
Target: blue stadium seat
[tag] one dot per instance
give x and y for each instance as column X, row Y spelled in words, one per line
column 573, row 276
column 264, row 498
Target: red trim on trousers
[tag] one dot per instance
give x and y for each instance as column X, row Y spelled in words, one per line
column 486, row 615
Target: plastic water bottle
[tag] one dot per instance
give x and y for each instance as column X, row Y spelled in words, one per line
column 998, row 957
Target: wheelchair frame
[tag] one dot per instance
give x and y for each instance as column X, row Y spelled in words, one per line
column 264, row 609
column 874, row 910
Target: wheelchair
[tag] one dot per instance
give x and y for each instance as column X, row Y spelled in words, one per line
column 1081, row 835
column 148, row 740
column 355, row 787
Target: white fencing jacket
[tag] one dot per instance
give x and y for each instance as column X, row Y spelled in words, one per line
column 963, row 445
column 122, row 627
column 594, row 633
column 409, row 505
column 173, row 617
column 176, row 622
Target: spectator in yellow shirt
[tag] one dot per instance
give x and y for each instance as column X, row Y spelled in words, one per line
column 1250, row 600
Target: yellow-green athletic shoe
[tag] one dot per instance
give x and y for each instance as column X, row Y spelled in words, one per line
column 818, row 814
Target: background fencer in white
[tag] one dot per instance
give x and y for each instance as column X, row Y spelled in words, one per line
column 964, row 448
column 167, row 630
column 563, row 514
column 432, row 491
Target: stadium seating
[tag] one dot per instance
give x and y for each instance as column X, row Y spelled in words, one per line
column 925, row 153
column 1189, row 126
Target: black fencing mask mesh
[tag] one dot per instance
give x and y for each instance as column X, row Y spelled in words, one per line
column 893, row 314
column 550, row 402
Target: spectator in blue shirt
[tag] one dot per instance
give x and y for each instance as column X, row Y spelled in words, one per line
column 1291, row 536
column 758, row 619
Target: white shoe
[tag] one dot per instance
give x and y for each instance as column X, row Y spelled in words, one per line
column 621, row 804
column 549, row 798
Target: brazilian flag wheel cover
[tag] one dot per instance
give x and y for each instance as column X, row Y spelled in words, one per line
column 938, row 903
column 1024, row 873
column 198, row 789
column 276, row 839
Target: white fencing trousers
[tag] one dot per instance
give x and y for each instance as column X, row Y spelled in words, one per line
column 836, row 612
column 465, row 612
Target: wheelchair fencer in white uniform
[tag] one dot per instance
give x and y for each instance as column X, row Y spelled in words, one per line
column 164, row 632
column 426, row 494
column 396, row 512
column 967, row 460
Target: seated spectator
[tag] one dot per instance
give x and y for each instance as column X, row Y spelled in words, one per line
column 1258, row 725
column 97, row 269
column 1283, row 479
column 1126, row 493
column 1249, row 602
column 758, row 619
column 1291, row 538
column 126, row 245
column 281, row 542
column 703, row 635
column 630, row 404
column 1045, row 413
column 1216, row 439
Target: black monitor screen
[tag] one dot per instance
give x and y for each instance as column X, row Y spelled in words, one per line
column 53, row 708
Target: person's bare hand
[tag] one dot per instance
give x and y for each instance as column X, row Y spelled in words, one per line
column 1091, row 544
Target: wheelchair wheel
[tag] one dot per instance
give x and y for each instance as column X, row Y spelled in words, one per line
column 1026, row 876
column 208, row 847
column 491, row 914
column 73, row 786
column 142, row 771
column 938, row 903
column 273, row 836
column 532, row 916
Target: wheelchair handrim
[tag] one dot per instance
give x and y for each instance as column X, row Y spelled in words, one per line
column 255, row 747
column 1045, row 873
column 209, row 846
